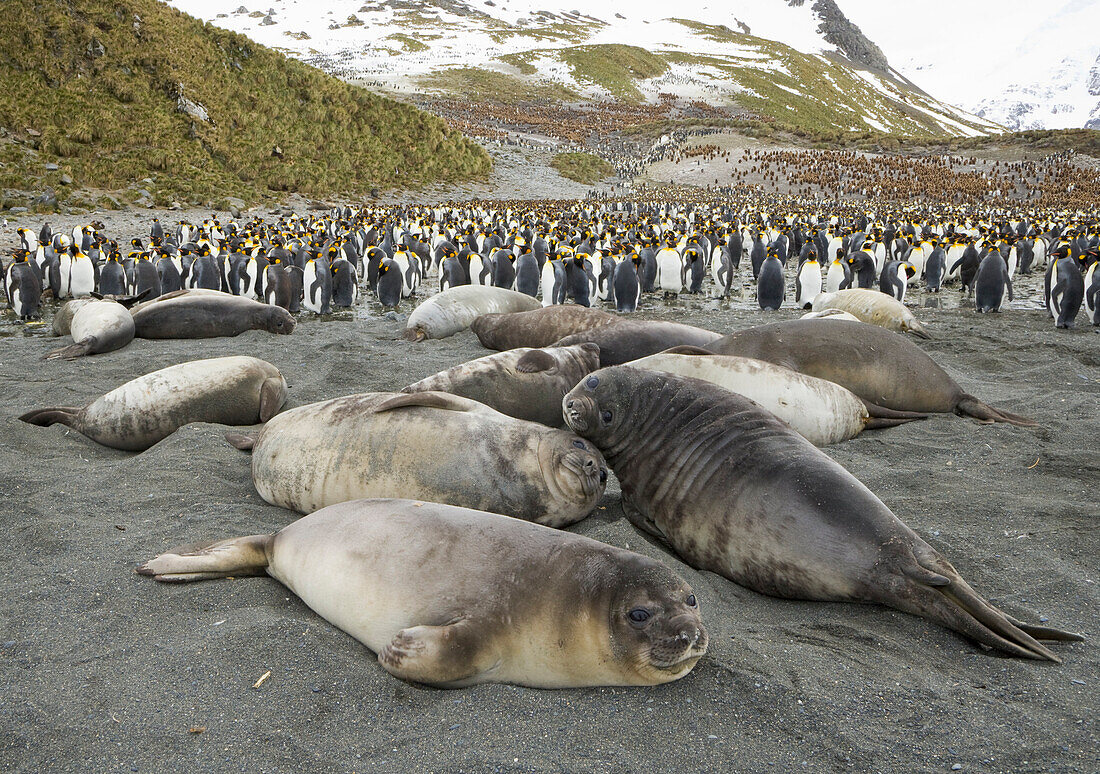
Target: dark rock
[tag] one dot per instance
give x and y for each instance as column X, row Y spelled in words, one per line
column 846, row 36
column 47, row 198
column 17, row 210
column 66, row 179
column 95, row 49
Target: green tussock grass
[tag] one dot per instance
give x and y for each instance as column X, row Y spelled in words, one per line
column 582, row 167
column 475, row 84
column 112, row 120
column 410, row 44
column 614, row 67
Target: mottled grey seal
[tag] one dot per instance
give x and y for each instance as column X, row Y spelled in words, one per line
column 631, row 339
column 539, row 327
column 880, row 366
column 189, row 315
column 452, row 597
column 427, row 445
column 522, row 383
column 236, row 390
column 452, row 310
column 874, row 307
column 735, row 491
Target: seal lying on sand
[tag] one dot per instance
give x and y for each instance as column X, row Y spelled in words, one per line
column 539, row 327
column 631, row 339
column 236, row 390
column 186, row 314
column 880, row 366
column 97, row 327
column 453, row 597
column 452, row 310
column 427, row 445
column 735, row 491
column 821, row 412
column 874, row 307
column 522, row 383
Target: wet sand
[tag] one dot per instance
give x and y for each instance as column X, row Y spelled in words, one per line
column 104, row 670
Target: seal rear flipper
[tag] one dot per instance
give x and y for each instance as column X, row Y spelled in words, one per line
column 219, row 559
column 969, row 406
column 435, row 655
column 73, row 351
column 880, row 416
column 1046, row 632
column 50, row 416
column 428, row 399
column 241, row 441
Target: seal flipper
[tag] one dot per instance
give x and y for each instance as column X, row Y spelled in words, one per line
column 218, row 559
column 241, row 441
column 429, row 399
column 969, row 406
column 880, row 416
column 436, row 655
column 50, row 416
column 534, row 361
column 73, row 351
column 272, row 398
column 686, row 349
column 914, row 327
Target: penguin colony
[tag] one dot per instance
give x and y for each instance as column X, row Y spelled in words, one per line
column 606, row 252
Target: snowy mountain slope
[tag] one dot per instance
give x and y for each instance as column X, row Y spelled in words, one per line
column 802, row 63
column 1026, row 68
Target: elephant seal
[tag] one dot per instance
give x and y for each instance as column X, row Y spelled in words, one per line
column 874, row 307
column 452, row 310
column 453, row 597
column 878, row 365
column 821, row 412
column 63, row 319
column 236, row 390
column 831, row 314
column 631, row 339
column 97, row 327
column 539, row 327
column 189, row 315
column 428, row 445
column 735, row 491
column 522, row 383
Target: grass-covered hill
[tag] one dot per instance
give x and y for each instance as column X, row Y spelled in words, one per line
column 119, row 93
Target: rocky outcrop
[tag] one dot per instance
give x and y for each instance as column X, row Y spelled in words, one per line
column 838, row 30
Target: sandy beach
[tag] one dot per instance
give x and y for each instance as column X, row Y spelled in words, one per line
column 104, row 670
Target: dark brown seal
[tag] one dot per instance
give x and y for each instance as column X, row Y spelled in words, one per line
column 453, row 597
column 187, row 315
column 631, row 339
column 734, row 490
column 523, row 383
column 538, row 327
column 878, row 365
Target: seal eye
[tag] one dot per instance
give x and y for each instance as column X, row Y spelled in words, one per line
column 692, row 602
column 603, row 476
column 639, row 615
column 591, row 382
column 605, row 416
column 579, row 444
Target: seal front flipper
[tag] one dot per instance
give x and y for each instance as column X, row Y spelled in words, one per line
column 534, row 361
column 218, row 559
column 429, row 399
column 272, row 397
column 437, row 655
column 241, row 441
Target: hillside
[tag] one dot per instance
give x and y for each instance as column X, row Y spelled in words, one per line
column 803, row 64
column 140, row 98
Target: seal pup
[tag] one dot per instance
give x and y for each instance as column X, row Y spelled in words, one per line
column 874, row 307
column 430, row 445
column 98, row 326
column 453, row 597
column 237, row 390
column 821, row 412
column 539, row 327
column 452, row 310
column 523, row 383
column 189, row 314
column 878, row 365
column 735, row 491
